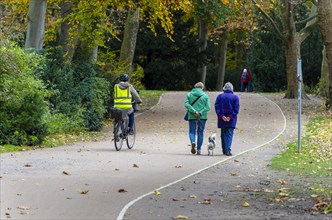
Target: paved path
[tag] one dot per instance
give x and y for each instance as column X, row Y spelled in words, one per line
column 33, row 185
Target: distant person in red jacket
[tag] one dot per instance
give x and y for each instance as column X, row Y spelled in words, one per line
column 245, row 78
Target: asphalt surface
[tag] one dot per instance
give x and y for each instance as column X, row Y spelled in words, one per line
column 93, row 181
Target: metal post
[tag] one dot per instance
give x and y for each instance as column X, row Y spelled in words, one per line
column 299, row 80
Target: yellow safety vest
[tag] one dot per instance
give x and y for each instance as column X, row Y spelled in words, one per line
column 122, row 98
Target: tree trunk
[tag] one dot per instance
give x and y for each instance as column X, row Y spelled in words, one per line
column 129, row 39
column 203, row 32
column 222, row 60
column 324, row 22
column 64, row 39
column 36, row 24
column 292, row 44
column 324, row 79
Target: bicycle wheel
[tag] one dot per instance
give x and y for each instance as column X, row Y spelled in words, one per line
column 131, row 138
column 118, row 140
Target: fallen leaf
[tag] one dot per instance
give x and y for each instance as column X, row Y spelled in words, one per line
column 192, row 196
column 236, row 161
column 180, row 217
column 282, row 182
column 265, row 182
column 283, row 195
column 122, row 191
column 206, row 201
column 156, row 192
column 245, row 204
column 84, row 192
column 233, row 174
column 27, row 165
column 282, row 189
column 178, row 166
column 135, row 165
column 66, row 173
column 175, row 200
column 23, row 207
column 277, row 200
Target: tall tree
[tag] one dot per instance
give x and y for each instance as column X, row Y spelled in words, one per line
column 64, row 36
column 129, row 39
column 324, row 22
column 292, row 39
column 222, row 59
column 36, row 24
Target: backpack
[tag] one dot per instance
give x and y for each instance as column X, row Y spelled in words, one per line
column 244, row 76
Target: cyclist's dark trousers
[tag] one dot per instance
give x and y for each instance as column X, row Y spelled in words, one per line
column 131, row 120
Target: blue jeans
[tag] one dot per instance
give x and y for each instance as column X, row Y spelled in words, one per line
column 197, row 126
column 226, row 139
column 131, row 120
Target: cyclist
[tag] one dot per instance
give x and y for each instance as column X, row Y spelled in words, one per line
column 124, row 92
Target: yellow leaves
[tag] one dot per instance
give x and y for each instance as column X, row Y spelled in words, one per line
column 192, row 196
column 283, row 195
column 245, row 204
column 156, row 192
column 180, row 217
column 282, row 182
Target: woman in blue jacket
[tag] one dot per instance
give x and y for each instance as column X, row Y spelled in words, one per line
column 227, row 107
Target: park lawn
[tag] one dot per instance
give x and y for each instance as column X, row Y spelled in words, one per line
column 316, row 152
column 150, row 99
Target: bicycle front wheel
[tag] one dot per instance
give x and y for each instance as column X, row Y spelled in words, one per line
column 118, row 140
column 131, row 138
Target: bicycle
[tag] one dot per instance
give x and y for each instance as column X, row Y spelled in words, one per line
column 121, row 129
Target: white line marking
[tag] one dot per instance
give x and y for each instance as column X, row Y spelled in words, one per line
column 126, row 207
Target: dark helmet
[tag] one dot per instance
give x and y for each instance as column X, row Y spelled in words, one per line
column 124, row 77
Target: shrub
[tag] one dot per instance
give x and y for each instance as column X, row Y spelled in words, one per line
column 22, row 95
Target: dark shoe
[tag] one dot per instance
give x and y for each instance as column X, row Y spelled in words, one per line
column 193, row 148
column 229, row 154
column 131, row 131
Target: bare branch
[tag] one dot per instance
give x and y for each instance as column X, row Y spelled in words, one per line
column 307, row 20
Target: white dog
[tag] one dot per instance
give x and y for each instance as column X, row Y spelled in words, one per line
column 211, row 144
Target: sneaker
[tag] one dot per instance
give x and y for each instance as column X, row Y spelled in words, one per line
column 198, row 152
column 193, row 148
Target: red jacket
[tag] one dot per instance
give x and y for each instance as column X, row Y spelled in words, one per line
column 245, row 77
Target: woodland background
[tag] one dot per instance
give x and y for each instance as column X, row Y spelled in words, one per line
column 59, row 59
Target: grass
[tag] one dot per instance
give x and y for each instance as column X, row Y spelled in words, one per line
column 314, row 160
column 316, row 150
column 150, row 98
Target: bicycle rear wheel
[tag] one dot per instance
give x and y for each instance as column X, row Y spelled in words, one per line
column 118, row 140
column 131, row 138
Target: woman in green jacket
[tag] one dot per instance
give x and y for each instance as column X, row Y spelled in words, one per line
column 198, row 105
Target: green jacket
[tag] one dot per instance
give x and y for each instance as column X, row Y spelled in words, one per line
column 202, row 105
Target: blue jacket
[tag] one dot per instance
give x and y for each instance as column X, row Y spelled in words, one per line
column 227, row 104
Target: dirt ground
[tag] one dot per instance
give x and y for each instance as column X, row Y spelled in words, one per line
column 243, row 187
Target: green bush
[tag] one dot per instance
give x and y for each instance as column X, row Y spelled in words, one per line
column 78, row 93
column 22, row 95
